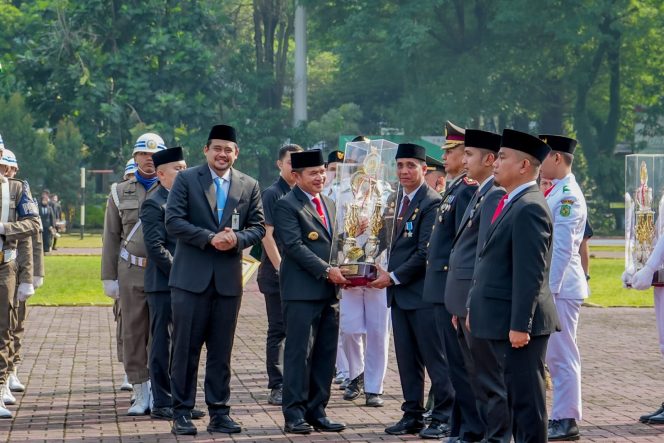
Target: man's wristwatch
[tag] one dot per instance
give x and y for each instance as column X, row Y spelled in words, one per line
column 326, row 273
column 210, row 237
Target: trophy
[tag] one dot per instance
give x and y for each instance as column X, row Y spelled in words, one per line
column 366, row 179
column 643, row 225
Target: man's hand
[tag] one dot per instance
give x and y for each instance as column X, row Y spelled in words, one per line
column 382, row 281
column 455, row 322
column 627, row 279
column 111, row 288
column 225, row 240
column 468, row 321
column 25, row 290
column 519, row 339
column 336, row 277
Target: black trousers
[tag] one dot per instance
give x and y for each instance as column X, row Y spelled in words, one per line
column 202, row 318
column 274, row 344
column 418, row 346
column 513, row 382
column 466, row 421
column 465, row 342
column 159, row 352
column 312, row 330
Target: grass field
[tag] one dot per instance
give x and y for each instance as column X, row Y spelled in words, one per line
column 74, row 280
column 73, row 240
column 71, row 280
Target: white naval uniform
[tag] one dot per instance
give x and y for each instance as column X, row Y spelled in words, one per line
column 569, row 287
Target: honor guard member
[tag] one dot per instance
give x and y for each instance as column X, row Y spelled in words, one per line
column 435, row 176
column 567, row 281
column 460, row 405
column 334, row 158
column 160, row 248
column 511, row 310
column 10, row 164
column 268, row 276
column 303, row 221
column 412, row 318
column 130, row 171
column 215, row 213
column 481, row 148
column 123, row 264
column 19, row 220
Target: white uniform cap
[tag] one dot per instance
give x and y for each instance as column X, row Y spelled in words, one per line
column 130, row 168
column 149, row 142
column 8, row 159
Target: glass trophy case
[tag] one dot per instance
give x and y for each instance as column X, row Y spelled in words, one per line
column 644, row 205
column 366, row 187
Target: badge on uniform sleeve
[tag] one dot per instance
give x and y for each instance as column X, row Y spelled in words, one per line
column 565, row 210
column 313, row 236
column 235, row 220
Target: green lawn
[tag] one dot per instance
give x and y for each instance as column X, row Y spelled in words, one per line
column 606, row 286
column 74, row 280
column 607, row 249
column 71, row 280
column 73, row 240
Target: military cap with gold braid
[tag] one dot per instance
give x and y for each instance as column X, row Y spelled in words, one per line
column 434, row 165
column 454, row 135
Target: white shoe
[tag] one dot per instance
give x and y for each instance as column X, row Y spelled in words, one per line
column 142, row 404
column 7, row 396
column 151, row 403
column 4, row 412
column 125, row 386
column 14, row 383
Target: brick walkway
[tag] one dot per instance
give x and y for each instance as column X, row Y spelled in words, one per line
column 71, row 373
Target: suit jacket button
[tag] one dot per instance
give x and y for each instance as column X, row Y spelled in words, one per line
column 445, row 268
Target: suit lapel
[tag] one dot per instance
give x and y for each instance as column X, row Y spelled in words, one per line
column 207, row 186
column 331, row 213
column 506, row 210
column 470, row 210
column 234, row 195
column 412, row 206
column 309, row 207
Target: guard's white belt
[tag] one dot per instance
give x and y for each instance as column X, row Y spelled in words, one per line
column 133, row 259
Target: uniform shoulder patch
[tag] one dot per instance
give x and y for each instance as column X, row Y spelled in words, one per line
column 567, row 201
column 566, row 189
column 469, row 181
column 566, row 210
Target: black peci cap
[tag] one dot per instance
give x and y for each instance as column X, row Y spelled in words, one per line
column 335, row 157
column 167, row 156
column 524, row 142
column 307, row 159
column 411, row 150
column 483, row 140
column 223, row 132
column 559, row 143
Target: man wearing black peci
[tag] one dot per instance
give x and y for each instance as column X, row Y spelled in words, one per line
column 304, row 225
column 511, row 311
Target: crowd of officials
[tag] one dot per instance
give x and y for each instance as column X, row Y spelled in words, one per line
column 482, row 290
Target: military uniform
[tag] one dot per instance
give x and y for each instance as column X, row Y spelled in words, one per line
column 124, row 258
column 20, row 220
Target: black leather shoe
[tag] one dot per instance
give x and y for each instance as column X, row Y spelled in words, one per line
column 645, row 418
column 324, row 424
column 436, row 430
column 223, row 424
column 354, row 388
column 162, row 413
column 407, row 425
column 299, row 426
column 374, row 400
column 275, row 396
column 197, row 414
column 656, row 419
column 563, row 429
column 183, row 426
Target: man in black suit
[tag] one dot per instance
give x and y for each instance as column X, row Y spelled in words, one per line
column 480, row 151
column 459, row 401
column 304, row 225
column 413, row 318
column 268, row 276
column 160, row 249
column 511, row 311
column 215, row 212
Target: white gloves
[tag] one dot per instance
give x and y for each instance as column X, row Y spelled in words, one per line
column 2, row 228
column 37, row 282
column 111, row 288
column 25, row 290
column 627, row 279
column 643, row 279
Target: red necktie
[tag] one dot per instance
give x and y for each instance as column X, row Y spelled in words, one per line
column 499, row 208
column 404, row 208
column 319, row 209
column 548, row 191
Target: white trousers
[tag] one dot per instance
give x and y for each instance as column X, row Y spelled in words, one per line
column 564, row 362
column 365, row 322
column 342, row 361
column 659, row 315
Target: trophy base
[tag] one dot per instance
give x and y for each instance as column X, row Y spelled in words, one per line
column 359, row 274
column 658, row 278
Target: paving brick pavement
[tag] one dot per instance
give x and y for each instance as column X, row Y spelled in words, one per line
column 71, row 375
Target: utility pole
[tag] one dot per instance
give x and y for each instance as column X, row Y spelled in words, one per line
column 300, row 81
